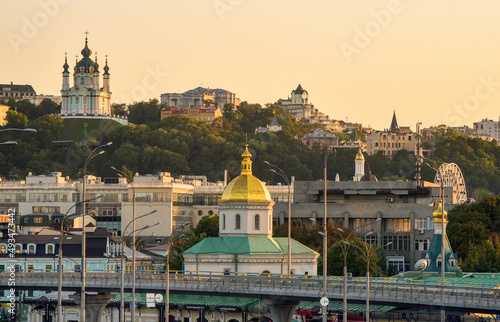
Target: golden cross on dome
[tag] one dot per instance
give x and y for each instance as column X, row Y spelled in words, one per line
column 246, row 138
column 86, row 34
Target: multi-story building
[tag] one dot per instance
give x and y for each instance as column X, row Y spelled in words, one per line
column 392, row 140
column 198, row 96
column 488, row 128
column 17, row 92
column 298, row 105
column 406, row 218
column 41, row 97
column 197, row 114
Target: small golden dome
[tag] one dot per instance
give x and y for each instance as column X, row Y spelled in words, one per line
column 439, row 212
column 246, row 187
column 360, row 155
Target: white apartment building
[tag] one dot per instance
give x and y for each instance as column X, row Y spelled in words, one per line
column 488, row 128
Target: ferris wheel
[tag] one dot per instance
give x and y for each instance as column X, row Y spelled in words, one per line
column 452, row 177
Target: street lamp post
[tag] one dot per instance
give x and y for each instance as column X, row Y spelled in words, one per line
column 325, row 232
column 167, row 271
column 129, row 179
column 441, row 198
column 280, row 172
column 345, row 245
column 91, row 155
column 122, row 288
column 60, row 271
column 367, row 251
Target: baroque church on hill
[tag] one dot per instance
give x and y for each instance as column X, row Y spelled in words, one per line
column 86, row 97
column 246, row 242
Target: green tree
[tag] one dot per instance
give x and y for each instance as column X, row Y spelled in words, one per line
column 208, row 225
column 16, row 119
column 145, row 112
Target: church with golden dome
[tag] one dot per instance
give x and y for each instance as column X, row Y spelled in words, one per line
column 86, row 97
column 246, row 242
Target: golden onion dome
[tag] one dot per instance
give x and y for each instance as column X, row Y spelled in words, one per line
column 439, row 212
column 246, row 187
column 360, row 155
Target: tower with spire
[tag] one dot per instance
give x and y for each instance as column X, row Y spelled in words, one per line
column 434, row 256
column 86, row 96
column 359, row 166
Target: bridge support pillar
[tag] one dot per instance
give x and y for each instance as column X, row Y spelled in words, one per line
column 281, row 309
column 94, row 304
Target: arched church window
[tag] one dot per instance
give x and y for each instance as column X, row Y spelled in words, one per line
column 257, row 222
column 82, row 80
column 238, row 222
column 223, row 221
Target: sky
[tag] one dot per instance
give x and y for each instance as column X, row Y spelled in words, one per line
column 435, row 62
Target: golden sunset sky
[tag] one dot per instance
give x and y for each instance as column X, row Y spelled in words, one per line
column 431, row 61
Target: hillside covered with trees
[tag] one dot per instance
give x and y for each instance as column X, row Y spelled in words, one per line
column 181, row 146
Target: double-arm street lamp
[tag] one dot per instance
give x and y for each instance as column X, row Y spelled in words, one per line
column 368, row 250
column 345, row 245
column 95, row 152
column 122, row 300
column 167, row 269
column 282, row 174
column 60, row 254
column 131, row 182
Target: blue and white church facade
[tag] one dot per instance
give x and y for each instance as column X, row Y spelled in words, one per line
column 86, row 96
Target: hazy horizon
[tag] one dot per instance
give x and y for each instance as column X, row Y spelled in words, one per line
column 431, row 62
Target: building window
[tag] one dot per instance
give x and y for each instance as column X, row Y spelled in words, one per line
column 19, row 248
column 257, row 222
column 223, row 221
column 238, row 222
column 3, row 249
column 38, row 220
column 50, row 249
column 31, row 249
column 422, row 245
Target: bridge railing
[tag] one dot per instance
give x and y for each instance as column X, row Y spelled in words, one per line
column 393, row 291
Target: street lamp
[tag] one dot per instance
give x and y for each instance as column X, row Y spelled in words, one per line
column 61, row 234
column 130, row 180
column 21, row 130
column 441, row 198
column 367, row 250
column 345, row 245
column 280, row 172
column 167, row 271
column 122, row 289
column 325, row 232
column 91, row 155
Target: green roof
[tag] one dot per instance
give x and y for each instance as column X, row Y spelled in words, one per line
column 339, row 306
column 247, row 245
column 483, row 280
column 191, row 299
